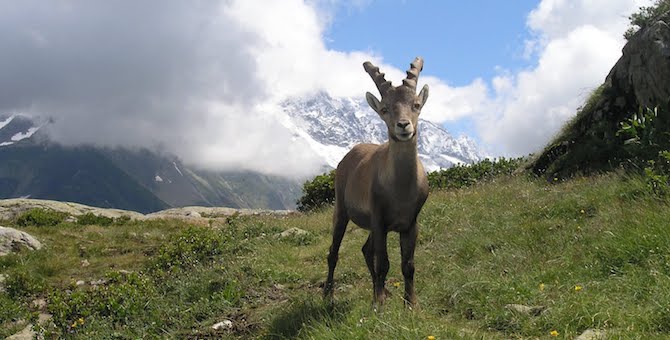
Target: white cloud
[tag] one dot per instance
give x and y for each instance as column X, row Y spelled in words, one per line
column 198, row 79
column 576, row 43
column 201, row 79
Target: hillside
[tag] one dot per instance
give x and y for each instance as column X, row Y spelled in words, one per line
column 590, row 253
column 591, row 142
column 131, row 179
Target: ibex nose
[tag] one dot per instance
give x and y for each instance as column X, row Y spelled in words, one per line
column 403, row 123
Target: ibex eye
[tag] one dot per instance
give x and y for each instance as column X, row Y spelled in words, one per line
column 385, row 110
column 417, row 106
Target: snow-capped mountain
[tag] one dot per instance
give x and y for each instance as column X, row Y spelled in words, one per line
column 331, row 126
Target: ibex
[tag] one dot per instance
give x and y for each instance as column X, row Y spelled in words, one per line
column 382, row 188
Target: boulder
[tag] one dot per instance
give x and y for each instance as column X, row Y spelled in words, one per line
column 292, row 232
column 12, row 240
column 591, row 334
column 527, row 310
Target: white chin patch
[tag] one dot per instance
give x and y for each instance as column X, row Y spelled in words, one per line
column 404, row 136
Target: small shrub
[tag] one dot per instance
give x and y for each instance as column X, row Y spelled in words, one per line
column 644, row 17
column 189, row 248
column 41, row 218
column 20, row 285
column 318, row 193
column 92, row 219
column 646, row 141
column 122, row 299
column 462, row 176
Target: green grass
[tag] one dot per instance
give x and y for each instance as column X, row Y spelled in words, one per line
column 594, row 251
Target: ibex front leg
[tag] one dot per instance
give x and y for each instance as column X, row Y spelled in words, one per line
column 340, row 221
column 381, row 266
column 407, row 246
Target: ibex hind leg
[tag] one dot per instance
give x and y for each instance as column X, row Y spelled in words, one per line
column 340, row 221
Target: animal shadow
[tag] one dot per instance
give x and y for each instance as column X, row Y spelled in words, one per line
column 312, row 311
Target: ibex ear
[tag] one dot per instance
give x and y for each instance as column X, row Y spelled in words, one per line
column 423, row 95
column 374, row 103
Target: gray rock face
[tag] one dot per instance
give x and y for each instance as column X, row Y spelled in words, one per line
column 12, row 239
column 643, row 72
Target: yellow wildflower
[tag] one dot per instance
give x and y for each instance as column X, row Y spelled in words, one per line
column 396, row 284
column 582, row 211
column 541, row 286
column 430, row 337
column 553, row 333
column 578, row 288
column 81, row 321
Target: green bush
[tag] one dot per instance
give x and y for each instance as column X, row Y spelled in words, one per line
column 645, row 16
column 92, row 219
column 189, row 248
column 646, row 141
column 41, row 217
column 122, row 299
column 462, row 176
column 20, row 285
column 318, row 193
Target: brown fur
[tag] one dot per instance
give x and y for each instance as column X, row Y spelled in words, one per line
column 382, row 188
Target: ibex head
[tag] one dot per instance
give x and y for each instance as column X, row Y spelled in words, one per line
column 400, row 106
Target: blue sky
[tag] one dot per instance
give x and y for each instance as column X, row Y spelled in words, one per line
column 461, row 40
column 204, row 79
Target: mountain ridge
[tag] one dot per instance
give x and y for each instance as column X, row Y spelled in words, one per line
column 332, row 125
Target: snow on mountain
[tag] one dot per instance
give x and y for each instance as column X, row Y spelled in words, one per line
column 6, row 121
column 16, row 128
column 331, row 126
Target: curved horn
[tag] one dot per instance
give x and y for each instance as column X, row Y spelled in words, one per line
column 383, row 85
column 413, row 73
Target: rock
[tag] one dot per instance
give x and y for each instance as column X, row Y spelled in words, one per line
column 12, row 208
column 591, row 334
column 28, row 333
column 100, row 282
column 193, row 214
column 223, row 325
column 12, row 239
column 84, row 263
column 293, row 232
column 527, row 310
column 80, row 283
column 40, row 304
column 3, row 277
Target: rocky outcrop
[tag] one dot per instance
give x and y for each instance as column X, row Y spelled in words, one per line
column 10, row 209
column 212, row 212
column 12, row 240
column 640, row 78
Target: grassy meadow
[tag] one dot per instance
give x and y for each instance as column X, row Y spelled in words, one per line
column 588, row 253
